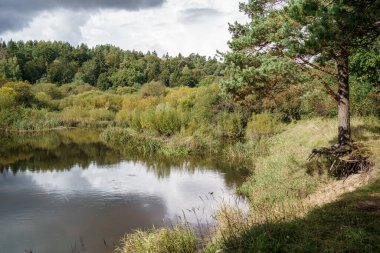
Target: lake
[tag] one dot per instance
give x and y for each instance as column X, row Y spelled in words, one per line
column 67, row 191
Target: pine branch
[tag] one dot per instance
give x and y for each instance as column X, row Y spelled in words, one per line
column 318, row 68
column 325, row 84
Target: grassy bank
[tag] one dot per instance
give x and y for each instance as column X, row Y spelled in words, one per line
column 289, row 197
column 285, row 174
column 350, row 224
column 289, row 211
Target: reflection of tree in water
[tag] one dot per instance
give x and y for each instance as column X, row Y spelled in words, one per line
column 55, row 151
column 62, row 150
column 234, row 173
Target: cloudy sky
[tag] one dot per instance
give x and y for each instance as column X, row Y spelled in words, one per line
column 174, row 26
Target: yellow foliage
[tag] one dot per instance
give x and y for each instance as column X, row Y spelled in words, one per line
column 263, row 124
column 135, row 102
column 7, row 97
column 176, row 95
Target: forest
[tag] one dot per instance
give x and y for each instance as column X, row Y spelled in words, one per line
column 300, row 75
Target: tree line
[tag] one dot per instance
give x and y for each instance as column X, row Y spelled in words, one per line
column 103, row 66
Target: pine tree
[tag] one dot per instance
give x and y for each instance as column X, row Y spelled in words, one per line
column 307, row 34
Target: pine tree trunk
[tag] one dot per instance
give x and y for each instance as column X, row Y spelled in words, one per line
column 344, row 129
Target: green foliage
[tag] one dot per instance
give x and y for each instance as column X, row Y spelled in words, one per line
column 9, row 69
column 229, row 124
column 104, row 66
column 32, row 119
column 61, row 71
column 126, row 77
column 264, row 124
column 365, row 62
column 292, row 48
column 347, row 225
column 103, row 82
column 9, row 117
column 176, row 240
column 52, row 90
column 125, row 90
column 152, row 89
column 7, row 98
column 365, row 98
column 23, row 91
column 93, row 100
column 74, row 89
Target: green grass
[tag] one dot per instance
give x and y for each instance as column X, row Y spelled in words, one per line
column 280, row 221
column 176, row 240
column 351, row 224
column 285, row 175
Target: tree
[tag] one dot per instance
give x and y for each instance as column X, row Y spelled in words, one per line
column 311, row 34
column 10, row 69
column 61, row 71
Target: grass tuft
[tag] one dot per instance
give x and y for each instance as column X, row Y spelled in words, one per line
column 176, row 240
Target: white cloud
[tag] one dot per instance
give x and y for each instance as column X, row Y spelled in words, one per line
column 199, row 26
column 63, row 25
column 180, row 190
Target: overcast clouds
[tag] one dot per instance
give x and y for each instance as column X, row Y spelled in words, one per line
column 174, row 26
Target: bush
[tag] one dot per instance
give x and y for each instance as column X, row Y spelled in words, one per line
column 263, row 124
column 163, row 119
column 176, row 96
column 365, row 98
column 7, row 98
column 229, row 124
column 8, row 117
column 93, row 100
column 316, row 103
column 74, row 115
column 48, row 88
column 23, row 90
column 80, row 115
column 152, row 89
column 43, row 100
column 166, row 120
column 75, row 89
column 133, row 102
column 125, row 90
column 33, row 119
column 101, row 114
column 176, row 240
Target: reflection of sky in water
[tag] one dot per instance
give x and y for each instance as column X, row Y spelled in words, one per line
column 55, row 211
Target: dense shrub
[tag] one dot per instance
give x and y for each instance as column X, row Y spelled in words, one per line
column 263, row 124
column 92, row 100
column 33, row 119
column 24, row 95
column 7, row 98
column 50, row 89
column 74, row 89
column 229, row 124
column 152, row 89
column 80, row 115
column 365, row 98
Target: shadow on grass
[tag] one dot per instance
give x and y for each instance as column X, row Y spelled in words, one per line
column 351, row 224
column 360, row 133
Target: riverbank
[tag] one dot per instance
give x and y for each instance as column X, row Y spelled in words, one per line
column 290, row 207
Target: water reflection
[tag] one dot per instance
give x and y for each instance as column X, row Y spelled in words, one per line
column 67, row 190
column 63, row 150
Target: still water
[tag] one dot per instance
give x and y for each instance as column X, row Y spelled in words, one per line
column 68, row 191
